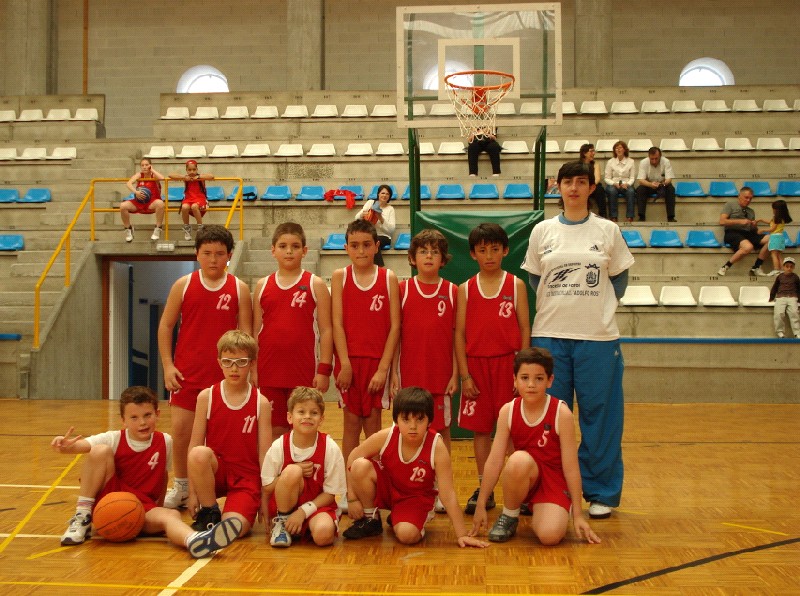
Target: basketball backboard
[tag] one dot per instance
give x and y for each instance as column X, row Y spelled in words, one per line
column 523, row 40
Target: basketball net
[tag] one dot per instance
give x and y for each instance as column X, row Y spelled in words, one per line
column 475, row 105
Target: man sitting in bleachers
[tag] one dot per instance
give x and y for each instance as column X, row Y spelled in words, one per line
column 655, row 177
column 741, row 231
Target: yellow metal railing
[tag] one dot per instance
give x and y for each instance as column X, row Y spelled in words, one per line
column 65, row 242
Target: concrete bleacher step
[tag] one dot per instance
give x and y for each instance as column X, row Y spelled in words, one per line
column 694, row 321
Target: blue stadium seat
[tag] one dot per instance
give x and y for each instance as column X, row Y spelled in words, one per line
column 424, row 192
column 761, row 188
column 11, row 242
column 552, row 194
column 665, row 239
column 9, row 195
column 689, row 188
column 249, row 192
column 789, row 188
column 403, row 241
column 450, row 191
column 356, row 189
column 10, row 336
column 789, row 242
column 722, row 188
column 215, row 193
column 484, row 191
column 175, row 193
column 373, row 194
column 702, row 239
column 517, row 191
column 334, row 242
column 279, row 192
column 311, row 193
column 633, row 238
column 798, row 239
column 37, row 195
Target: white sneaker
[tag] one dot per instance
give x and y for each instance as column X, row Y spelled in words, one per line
column 722, row 270
column 757, row 272
column 341, row 503
column 156, row 234
column 439, row 506
column 129, row 234
column 80, row 528
column 279, row 538
column 202, row 544
column 176, row 498
column 187, row 232
column 773, row 273
column 599, row 511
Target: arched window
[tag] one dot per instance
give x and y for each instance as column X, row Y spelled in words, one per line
column 706, row 72
column 202, row 79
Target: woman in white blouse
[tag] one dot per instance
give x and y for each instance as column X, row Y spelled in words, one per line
column 619, row 178
column 381, row 214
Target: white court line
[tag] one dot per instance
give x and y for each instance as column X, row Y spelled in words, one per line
column 42, row 486
column 58, row 536
column 186, row 576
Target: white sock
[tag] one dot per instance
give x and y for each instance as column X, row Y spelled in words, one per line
column 182, row 484
column 84, row 505
column 511, row 512
column 370, row 513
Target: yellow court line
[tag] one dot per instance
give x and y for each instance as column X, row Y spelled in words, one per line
column 207, row 589
column 756, row 529
column 48, row 552
column 35, row 508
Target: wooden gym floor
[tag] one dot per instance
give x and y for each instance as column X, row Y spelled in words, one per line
column 710, row 506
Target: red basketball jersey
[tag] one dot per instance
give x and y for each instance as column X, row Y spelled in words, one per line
column 426, row 334
column 206, row 315
column 232, row 433
column 313, row 485
column 492, row 328
column 153, row 186
column 145, row 471
column 194, row 191
column 365, row 312
column 289, row 334
column 538, row 437
column 415, row 478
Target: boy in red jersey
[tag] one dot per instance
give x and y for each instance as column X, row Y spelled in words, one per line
column 208, row 302
column 230, row 437
column 411, row 461
column 492, row 324
column 292, row 317
column 195, row 198
column 543, row 470
column 302, row 474
column 140, row 185
column 135, row 460
column 428, row 314
column 366, row 327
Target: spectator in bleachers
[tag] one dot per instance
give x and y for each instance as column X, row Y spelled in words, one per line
column 478, row 142
column 655, row 177
column 741, row 231
column 380, row 214
column 195, row 198
column 785, row 293
column 598, row 197
column 146, row 199
column 777, row 241
column 620, row 174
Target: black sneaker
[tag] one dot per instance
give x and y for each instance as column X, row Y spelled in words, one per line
column 207, row 518
column 525, row 509
column 504, row 528
column 364, row 528
column 473, row 502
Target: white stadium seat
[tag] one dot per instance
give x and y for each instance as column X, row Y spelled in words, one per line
column 638, row 296
column 58, row 114
column 624, row 107
column 754, row 296
column 256, row 150
column 654, row 107
column 551, row 146
column 358, row 149
column 325, row 111
column 776, row 105
column 426, row 148
column 574, row 146
column 745, row 105
column 290, row 150
column 738, row 144
column 442, row 109
column 593, row 107
column 8, row 153
column 86, row 114
column 770, row 144
column 160, row 151
column 321, row 150
column 705, row 144
column 176, row 113
column 673, row 144
column 451, row 148
column 384, row 111
column 236, row 112
column 531, row 108
column 677, row 296
column 265, row 112
column 355, row 111
column 604, row 145
column 515, row 147
column 206, row 113
column 639, row 144
column 295, row 111
column 716, row 296
column 224, row 151
column 715, row 105
column 192, row 152
column 33, row 153
column 684, row 105
column 30, row 116
column 63, row 153
column 390, row 149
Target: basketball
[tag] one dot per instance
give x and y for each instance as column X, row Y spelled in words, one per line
column 118, row 517
column 147, row 194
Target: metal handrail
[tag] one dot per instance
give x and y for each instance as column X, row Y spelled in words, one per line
column 65, row 242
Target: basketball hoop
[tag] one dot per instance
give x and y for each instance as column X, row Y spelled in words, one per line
column 475, row 104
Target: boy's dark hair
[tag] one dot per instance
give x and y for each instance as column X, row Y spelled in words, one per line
column 487, row 233
column 137, row 395
column 237, row 340
column 361, row 225
column 434, row 239
column 289, row 227
column 413, row 401
column 571, row 169
column 213, row 233
column 538, row 356
column 301, row 394
column 781, row 212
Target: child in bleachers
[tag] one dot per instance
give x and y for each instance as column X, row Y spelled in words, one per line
column 777, row 241
column 785, row 293
column 195, row 198
column 146, row 199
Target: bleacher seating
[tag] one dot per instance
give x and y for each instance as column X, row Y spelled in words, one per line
column 322, row 150
column 31, row 153
column 515, row 147
column 373, row 194
column 175, row 194
column 776, row 105
column 58, row 114
column 37, row 195
column 8, row 115
column 356, row 189
column 665, row 239
column 506, row 109
column 176, row 113
column 689, row 188
column 384, row 111
column 567, row 108
column 9, row 195
column 715, row 105
column 295, row 111
column 450, row 191
column 355, row 111
column 86, row 114
column 419, row 110
column 574, row 145
column 325, row 111
column 277, row 192
column 706, row 144
column 334, row 242
column 761, row 188
column 484, row 191
column 256, row 150
column 265, row 112
column 770, row 144
column 654, row 107
column 754, row 296
column 451, row 148
column 424, row 192
column 249, row 192
column 205, row 113
column 215, row 193
column 673, row 144
column 604, row 145
column 593, row 107
column 224, row 151
column 403, row 241
column 716, row 296
column 551, row 146
column 684, row 106
column 745, row 105
column 623, row 107
column 789, row 242
column 235, row 113
column 290, row 150
column 390, row 148
column 531, row 108
column 640, row 145
column 358, row 149
column 517, row 190
column 442, row 109
column 676, row 296
column 8, row 153
column 738, row 144
column 426, row 148
column 702, row 239
column 160, row 152
column 10, row 242
column 633, row 238
column 789, row 188
column 722, row 188
column 192, row 152
column 63, row 153
column 638, row 296
column 30, row 116
column 311, row 192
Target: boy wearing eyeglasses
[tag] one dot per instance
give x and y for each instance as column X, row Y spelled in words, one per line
column 230, row 437
column 208, row 303
column 428, row 307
